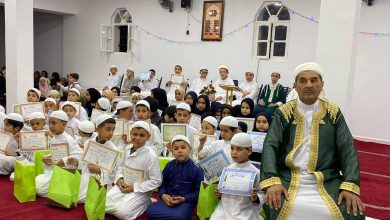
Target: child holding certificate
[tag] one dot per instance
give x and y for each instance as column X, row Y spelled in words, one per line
column 74, row 96
column 174, row 83
column 228, row 127
column 137, row 175
column 13, row 123
column 70, row 109
column 65, row 151
column 50, row 105
column 142, row 111
column 209, row 126
column 33, row 95
column 124, row 111
column 237, row 206
column 86, row 132
column 105, row 126
column 180, row 187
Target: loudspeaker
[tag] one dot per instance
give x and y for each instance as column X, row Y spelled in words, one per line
column 186, row 3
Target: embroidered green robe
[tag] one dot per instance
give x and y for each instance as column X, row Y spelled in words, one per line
column 278, row 96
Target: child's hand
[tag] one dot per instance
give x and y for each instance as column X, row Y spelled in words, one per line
column 217, row 193
column 177, row 200
column 121, row 184
column 184, row 83
column 81, row 146
column 169, row 146
column 167, row 199
column 202, row 139
column 219, row 98
column 169, row 83
column 124, row 138
column 128, row 188
column 92, row 168
column 254, row 195
column 261, row 102
column 49, row 134
column 72, row 161
column 11, row 153
column 47, row 160
column 16, row 136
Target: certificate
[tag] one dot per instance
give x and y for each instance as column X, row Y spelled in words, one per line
column 131, row 175
column 129, row 127
column 119, row 127
column 100, row 155
column 257, row 141
column 96, row 113
column 124, row 98
column 69, row 131
column 196, row 142
column 248, row 121
column 78, row 107
column 196, row 122
column 144, row 75
column 27, row 109
column 214, row 164
column 236, row 181
column 169, row 131
column 177, row 79
column 59, row 151
column 33, row 140
column 174, row 103
column 16, row 108
column 5, row 138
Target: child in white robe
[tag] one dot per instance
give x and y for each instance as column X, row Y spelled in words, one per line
column 240, row 207
column 220, row 95
column 70, row 109
column 173, row 86
column 113, row 78
column 209, row 127
column 74, row 96
column 124, row 110
column 33, row 95
column 105, row 126
column 57, row 124
column 128, row 200
column 86, row 132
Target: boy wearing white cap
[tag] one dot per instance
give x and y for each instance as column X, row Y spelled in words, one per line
column 124, row 111
column 199, row 83
column 249, row 87
column 70, row 109
column 228, row 127
column 50, row 105
column 74, row 96
column 220, row 95
column 129, row 81
column 113, row 78
column 180, row 187
column 240, row 207
column 105, row 126
column 209, row 127
column 142, row 111
column 86, row 131
column 33, row 95
column 130, row 198
column 103, row 104
column 37, row 121
column 57, row 124
column 13, row 123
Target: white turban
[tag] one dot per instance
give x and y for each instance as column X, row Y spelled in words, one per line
column 310, row 66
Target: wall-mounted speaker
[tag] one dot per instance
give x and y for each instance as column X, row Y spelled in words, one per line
column 186, row 3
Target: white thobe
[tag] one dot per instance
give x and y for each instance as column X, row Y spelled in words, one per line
column 83, row 116
column 246, row 86
column 172, row 88
column 7, row 163
column 42, row 181
column 74, row 124
column 198, row 84
column 105, row 177
column 308, row 202
column 133, row 204
column 240, row 207
column 113, row 80
column 221, row 92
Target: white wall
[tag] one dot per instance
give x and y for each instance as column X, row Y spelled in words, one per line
column 48, row 42
column 370, row 106
column 58, row 6
column 82, row 40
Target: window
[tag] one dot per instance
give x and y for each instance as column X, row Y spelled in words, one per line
column 117, row 37
column 271, row 31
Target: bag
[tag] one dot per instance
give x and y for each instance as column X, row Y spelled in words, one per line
column 64, row 188
column 95, row 203
column 207, row 201
column 24, row 181
column 163, row 162
column 38, row 160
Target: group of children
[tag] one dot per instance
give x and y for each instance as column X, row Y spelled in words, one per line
column 179, row 182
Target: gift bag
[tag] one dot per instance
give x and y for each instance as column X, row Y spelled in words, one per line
column 95, row 202
column 207, row 201
column 24, row 181
column 38, row 160
column 64, row 188
column 163, row 162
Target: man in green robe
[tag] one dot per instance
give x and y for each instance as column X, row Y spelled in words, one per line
column 272, row 95
column 310, row 167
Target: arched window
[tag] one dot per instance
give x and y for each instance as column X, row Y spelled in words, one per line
column 271, row 31
column 117, row 36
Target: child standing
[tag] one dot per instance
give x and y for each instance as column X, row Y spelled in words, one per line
column 57, row 124
column 113, row 78
column 180, row 187
column 72, row 83
column 240, row 207
column 128, row 200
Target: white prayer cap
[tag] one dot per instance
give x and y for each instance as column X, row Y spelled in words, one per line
column 86, row 127
column 249, row 71
column 132, row 69
column 123, row 104
column 69, row 103
column 213, row 121
column 2, row 109
column 184, row 106
column 104, row 103
column 203, row 68
column 143, row 102
column 15, row 117
column 101, row 119
column 113, row 66
column 145, row 94
column 310, row 66
column 50, row 100
column 37, row 115
column 229, row 121
column 53, row 92
column 36, row 91
column 75, row 91
column 135, row 94
column 142, row 124
column 242, row 140
column 223, row 67
column 59, row 115
column 181, row 138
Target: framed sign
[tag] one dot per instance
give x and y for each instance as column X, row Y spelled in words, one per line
column 212, row 20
